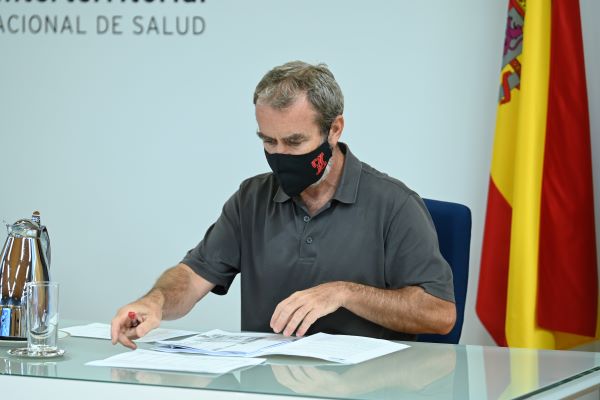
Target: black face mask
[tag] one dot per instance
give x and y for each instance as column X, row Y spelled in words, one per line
column 297, row 172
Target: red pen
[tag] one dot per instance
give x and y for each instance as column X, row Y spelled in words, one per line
column 133, row 317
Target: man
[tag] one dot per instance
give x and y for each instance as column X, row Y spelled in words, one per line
column 324, row 243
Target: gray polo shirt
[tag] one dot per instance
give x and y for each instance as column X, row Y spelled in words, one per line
column 375, row 231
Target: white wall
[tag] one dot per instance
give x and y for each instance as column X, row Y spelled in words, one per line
column 129, row 145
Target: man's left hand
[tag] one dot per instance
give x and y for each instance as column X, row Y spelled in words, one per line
column 299, row 311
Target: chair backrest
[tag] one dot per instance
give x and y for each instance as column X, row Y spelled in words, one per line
column 453, row 225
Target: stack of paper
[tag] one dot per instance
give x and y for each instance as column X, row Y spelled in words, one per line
column 222, row 343
column 213, row 351
column 337, row 348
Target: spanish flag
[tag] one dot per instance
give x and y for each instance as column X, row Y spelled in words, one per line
column 538, row 284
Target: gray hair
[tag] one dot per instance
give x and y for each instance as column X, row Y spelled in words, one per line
column 281, row 86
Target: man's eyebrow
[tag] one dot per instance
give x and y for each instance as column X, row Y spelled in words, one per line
column 262, row 135
column 295, row 137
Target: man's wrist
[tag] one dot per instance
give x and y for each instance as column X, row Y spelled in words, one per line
column 155, row 297
column 346, row 292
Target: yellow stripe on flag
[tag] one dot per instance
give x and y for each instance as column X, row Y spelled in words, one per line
column 521, row 328
column 503, row 157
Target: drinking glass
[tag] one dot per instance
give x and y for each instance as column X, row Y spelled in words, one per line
column 42, row 318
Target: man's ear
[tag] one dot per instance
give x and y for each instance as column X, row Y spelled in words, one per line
column 335, row 132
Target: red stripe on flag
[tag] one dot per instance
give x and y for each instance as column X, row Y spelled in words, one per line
column 568, row 288
column 493, row 275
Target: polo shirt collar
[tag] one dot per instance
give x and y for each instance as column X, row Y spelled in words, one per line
column 347, row 189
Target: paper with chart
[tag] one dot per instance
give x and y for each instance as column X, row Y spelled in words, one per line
column 222, row 343
column 343, row 349
column 99, row 330
column 155, row 360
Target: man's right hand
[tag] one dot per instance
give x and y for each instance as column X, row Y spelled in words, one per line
column 173, row 296
column 135, row 320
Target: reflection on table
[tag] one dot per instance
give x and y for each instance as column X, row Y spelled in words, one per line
column 409, row 370
column 18, row 366
column 171, row 378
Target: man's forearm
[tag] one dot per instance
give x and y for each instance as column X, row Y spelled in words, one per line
column 409, row 310
column 177, row 290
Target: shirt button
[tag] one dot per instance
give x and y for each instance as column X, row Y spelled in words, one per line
column 309, row 240
column 306, row 218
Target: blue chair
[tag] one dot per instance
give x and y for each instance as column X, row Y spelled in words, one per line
column 453, row 225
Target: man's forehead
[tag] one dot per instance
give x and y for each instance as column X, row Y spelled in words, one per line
column 276, row 100
column 299, row 103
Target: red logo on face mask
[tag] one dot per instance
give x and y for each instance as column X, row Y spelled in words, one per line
column 319, row 163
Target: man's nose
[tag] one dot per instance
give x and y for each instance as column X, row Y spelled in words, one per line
column 282, row 148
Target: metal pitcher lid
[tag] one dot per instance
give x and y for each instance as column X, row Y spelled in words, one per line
column 27, row 227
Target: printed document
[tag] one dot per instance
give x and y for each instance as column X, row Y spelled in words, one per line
column 147, row 359
column 98, row 330
column 222, row 343
column 343, row 349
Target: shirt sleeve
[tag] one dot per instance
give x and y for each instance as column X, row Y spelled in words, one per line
column 413, row 254
column 217, row 257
